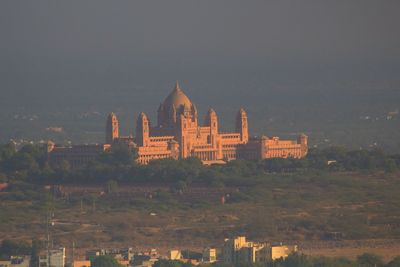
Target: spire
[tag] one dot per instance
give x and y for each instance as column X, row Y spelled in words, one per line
column 177, row 86
column 211, row 111
column 211, row 116
column 142, row 115
column 112, row 131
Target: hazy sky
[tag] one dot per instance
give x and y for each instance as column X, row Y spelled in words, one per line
column 56, row 48
column 283, row 31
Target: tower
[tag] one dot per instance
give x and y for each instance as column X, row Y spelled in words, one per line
column 242, row 126
column 143, row 130
column 212, row 121
column 183, row 137
column 213, row 139
column 112, row 128
column 302, row 139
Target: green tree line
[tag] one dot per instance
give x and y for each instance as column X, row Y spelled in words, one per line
column 30, row 164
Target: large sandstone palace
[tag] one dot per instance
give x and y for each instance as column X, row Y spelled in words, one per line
column 179, row 134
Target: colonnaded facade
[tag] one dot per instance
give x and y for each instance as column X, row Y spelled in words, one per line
column 179, row 134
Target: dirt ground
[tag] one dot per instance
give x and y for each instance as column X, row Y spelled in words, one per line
column 387, row 249
column 145, row 217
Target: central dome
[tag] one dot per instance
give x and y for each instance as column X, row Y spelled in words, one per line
column 177, row 98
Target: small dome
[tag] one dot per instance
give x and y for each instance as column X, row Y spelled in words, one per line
column 177, row 98
column 142, row 115
column 242, row 111
column 211, row 111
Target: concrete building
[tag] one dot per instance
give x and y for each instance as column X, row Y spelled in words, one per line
column 16, row 261
column 239, row 250
column 174, row 255
column 84, row 263
column 209, row 255
column 277, row 252
column 55, row 258
column 124, row 254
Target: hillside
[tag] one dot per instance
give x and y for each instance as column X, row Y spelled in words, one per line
column 301, row 208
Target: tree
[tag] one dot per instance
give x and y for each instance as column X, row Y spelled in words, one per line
column 295, row 260
column 19, row 162
column 7, row 151
column 105, row 261
column 180, row 186
column 389, row 165
column 35, row 151
column 112, row 186
column 394, row 263
column 9, row 248
column 118, row 155
column 369, row 260
column 332, row 262
column 3, row 178
column 277, row 165
column 171, row 263
column 36, row 247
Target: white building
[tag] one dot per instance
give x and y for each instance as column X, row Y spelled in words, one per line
column 56, row 258
column 239, row 250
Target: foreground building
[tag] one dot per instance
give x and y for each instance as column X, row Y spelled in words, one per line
column 179, row 134
column 16, row 261
column 54, row 258
column 239, row 250
column 81, row 263
column 209, row 255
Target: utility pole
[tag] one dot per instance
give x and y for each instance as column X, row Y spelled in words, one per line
column 49, row 223
column 94, row 203
column 73, row 253
column 47, row 238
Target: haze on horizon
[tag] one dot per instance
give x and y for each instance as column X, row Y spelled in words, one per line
column 301, row 63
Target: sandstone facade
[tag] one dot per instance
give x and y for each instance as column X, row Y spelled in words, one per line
column 179, row 134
